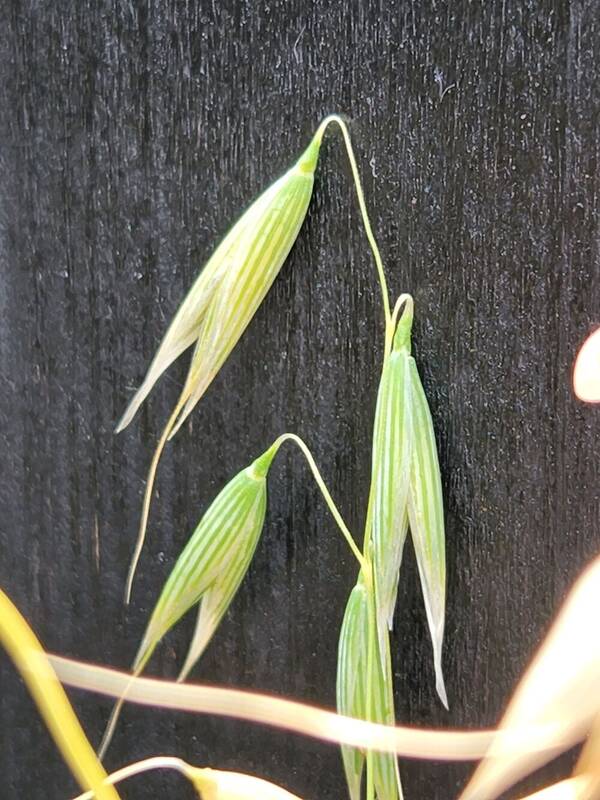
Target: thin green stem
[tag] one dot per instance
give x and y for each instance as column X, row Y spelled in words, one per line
column 334, row 118
column 391, row 320
column 324, row 491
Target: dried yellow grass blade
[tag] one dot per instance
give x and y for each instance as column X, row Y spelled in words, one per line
column 559, row 695
column 586, row 372
column 587, row 770
column 138, row 768
column 28, row 656
column 300, row 718
column 589, row 760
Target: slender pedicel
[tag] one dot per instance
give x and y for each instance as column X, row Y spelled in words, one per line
column 335, row 119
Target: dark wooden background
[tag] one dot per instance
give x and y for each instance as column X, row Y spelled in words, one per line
column 131, row 135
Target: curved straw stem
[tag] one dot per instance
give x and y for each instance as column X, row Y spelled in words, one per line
column 28, row 656
column 301, row 718
column 157, row 762
column 335, row 119
column 148, row 494
column 292, row 437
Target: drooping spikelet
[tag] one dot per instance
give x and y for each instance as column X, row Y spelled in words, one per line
column 229, row 289
column 209, row 569
column 392, row 453
column 223, row 300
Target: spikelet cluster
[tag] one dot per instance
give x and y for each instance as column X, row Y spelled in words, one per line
column 223, row 300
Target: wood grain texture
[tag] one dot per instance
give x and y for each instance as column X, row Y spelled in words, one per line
column 131, row 135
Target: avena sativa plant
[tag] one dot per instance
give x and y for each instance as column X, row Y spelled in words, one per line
column 405, row 481
column 553, row 707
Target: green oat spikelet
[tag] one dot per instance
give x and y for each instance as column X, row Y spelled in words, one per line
column 209, row 570
column 353, row 695
column 407, row 491
column 223, row 300
column 392, row 453
column 271, row 229
column 246, row 262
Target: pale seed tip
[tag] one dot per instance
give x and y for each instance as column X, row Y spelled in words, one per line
column 307, row 163
column 404, row 327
